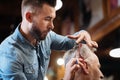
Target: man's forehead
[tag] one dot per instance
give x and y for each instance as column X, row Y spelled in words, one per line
column 48, row 11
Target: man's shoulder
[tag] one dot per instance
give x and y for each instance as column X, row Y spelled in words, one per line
column 8, row 46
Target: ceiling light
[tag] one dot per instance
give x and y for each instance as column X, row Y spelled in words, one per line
column 115, row 53
column 60, row 61
column 45, row 78
column 58, row 5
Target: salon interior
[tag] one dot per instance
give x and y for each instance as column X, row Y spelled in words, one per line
column 101, row 18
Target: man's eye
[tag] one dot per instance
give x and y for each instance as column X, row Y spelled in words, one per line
column 48, row 19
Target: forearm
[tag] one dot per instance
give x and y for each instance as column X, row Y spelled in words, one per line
column 60, row 42
column 69, row 73
column 67, row 77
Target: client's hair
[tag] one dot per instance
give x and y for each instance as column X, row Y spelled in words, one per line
column 84, row 51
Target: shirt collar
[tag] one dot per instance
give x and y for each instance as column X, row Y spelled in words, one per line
column 21, row 39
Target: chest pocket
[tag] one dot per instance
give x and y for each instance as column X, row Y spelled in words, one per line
column 31, row 71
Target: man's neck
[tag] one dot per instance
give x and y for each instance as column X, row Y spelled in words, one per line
column 26, row 34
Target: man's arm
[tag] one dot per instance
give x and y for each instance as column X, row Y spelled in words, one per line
column 60, row 42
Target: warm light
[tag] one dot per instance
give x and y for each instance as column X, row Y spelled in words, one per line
column 115, row 53
column 45, row 78
column 60, row 61
column 58, row 4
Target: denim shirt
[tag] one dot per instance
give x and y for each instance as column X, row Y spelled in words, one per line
column 19, row 60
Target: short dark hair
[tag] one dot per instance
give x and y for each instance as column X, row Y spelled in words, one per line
column 39, row 3
column 35, row 4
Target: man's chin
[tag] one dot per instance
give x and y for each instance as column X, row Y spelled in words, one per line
column 41, row 38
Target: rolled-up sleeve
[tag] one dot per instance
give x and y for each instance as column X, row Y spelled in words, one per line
column 60, row 42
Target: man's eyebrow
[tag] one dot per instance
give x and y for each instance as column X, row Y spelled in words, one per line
column 48, row 17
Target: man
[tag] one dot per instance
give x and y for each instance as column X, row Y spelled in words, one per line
column 25, row 54
column 86, row 67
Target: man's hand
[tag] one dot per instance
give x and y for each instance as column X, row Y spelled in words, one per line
column 71, row 67
column 84, row 35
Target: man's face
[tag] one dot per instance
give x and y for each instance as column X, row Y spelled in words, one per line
column 93, row 69
column 43, row 22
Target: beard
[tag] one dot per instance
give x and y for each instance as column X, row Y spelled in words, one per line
column 37, row 34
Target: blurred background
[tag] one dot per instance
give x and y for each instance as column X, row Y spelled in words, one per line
column 101, row 18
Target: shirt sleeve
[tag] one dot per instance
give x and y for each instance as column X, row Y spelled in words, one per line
column 10, row 69
column 60, row 42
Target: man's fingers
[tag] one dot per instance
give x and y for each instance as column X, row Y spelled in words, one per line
column 81, row 37
column 72, row 61
column 80, row 62
column 84, row 35
column 78, row 38
column 83, row 65
column 75, row 67
column 94, row 44
column 89, row 42
column 73, row 36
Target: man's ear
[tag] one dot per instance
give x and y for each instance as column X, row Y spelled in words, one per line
column 29, row 16
column 85, row 68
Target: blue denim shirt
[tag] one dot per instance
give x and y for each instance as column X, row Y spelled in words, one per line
column 19, row 60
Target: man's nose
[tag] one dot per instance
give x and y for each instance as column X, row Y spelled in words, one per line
column 101, row 75
column 51, row 26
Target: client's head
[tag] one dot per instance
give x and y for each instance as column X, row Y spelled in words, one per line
column 91, row 63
